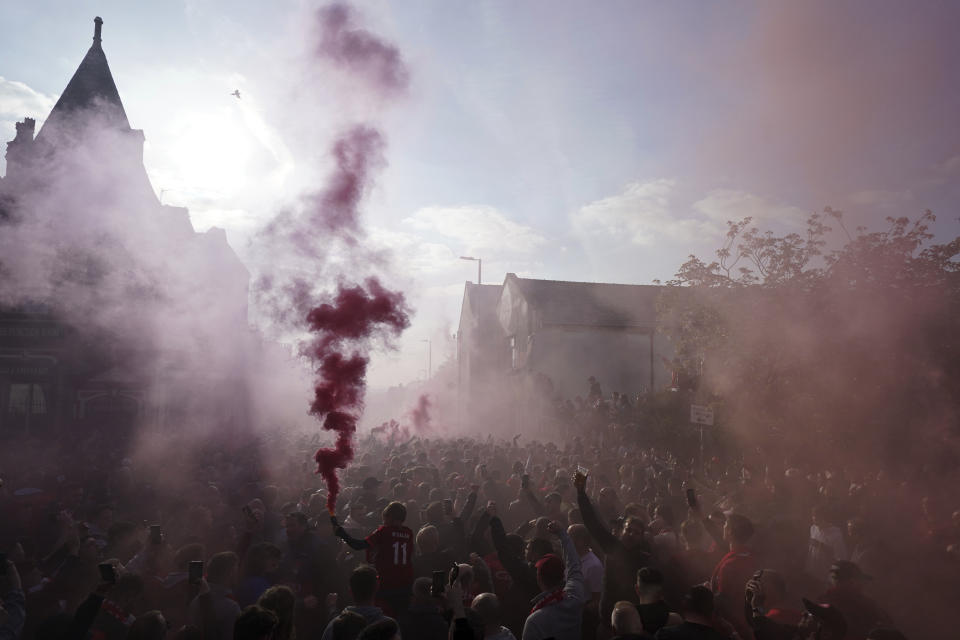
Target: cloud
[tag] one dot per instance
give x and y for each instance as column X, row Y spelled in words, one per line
column 478, row 229
column 721, row 205
column 418, row 256
column 643, row 214
column 880, row 197
column 662, row 211
column 19, row 101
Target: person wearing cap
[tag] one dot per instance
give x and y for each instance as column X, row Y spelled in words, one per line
column 862, row 613
column 558, row 611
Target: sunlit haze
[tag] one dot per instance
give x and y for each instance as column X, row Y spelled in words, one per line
column 555, row 140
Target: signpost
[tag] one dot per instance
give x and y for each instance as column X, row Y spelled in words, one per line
column 701, row 415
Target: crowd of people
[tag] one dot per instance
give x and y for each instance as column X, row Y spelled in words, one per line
column 601, row 536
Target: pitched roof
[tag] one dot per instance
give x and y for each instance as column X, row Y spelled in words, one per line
column 91, row 86
column 483, row 298
column 595, row 304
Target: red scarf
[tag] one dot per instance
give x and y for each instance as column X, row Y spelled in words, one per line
column 553, row 598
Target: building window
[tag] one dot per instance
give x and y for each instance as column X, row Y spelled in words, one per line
column 26, row 399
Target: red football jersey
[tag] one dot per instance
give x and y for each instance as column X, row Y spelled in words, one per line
column 391, row 552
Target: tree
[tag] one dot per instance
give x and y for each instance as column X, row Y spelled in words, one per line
column 821, row 350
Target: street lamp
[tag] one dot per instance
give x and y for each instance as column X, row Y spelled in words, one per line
column 429, row 357
column 479, row 267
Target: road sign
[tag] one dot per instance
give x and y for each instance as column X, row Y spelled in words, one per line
column 701, row 414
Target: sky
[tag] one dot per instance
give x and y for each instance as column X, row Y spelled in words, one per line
column 553, row 139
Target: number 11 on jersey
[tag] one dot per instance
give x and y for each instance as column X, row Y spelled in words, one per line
column 400, row 553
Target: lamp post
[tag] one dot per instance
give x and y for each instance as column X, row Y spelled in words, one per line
column 429, row 357
column 479, row 267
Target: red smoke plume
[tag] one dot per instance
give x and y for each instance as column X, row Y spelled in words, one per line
column 358, row 152
column 341, row 330
column 363, row 53
column 421, row 414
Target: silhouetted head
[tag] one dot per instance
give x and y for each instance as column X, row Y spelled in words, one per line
column 631, row 534
column 255, row 623
column 625, row 619
column 737, row 529
column 363, row 584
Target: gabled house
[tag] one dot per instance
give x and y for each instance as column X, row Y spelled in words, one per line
column 549, row 336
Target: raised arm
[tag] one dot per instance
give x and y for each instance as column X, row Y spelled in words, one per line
column 354, row 543
column 476, row 543
column 514, row 565
column 532, row 499
column 598, row 530
column 470, row 504
column 573, row 587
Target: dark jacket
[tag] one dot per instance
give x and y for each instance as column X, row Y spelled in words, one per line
column 214, row 613
column 523, row 586
column 621, row 564
column 423, row 622
column 306, row 566
column 13, row 602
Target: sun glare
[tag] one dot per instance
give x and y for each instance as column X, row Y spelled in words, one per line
column 212, row 152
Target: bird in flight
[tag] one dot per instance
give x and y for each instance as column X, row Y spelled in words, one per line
column 236, row 93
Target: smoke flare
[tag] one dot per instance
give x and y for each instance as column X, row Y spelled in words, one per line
column 342, row 329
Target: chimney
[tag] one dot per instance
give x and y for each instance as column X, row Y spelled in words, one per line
column 20, row 149
column 97, row 26
column 25, row 130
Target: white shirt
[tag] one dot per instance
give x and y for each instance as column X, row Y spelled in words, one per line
column 592, row 573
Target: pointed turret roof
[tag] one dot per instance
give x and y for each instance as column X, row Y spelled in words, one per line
column 91, row 87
